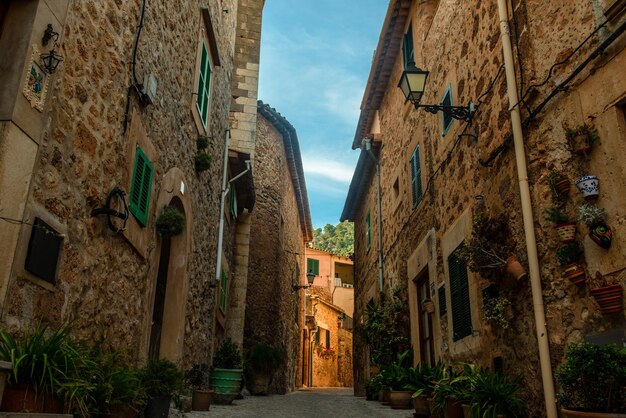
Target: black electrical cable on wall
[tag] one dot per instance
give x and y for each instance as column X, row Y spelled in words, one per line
column 135, row 83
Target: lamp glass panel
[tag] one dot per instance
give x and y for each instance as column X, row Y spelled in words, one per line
column 417, row 82
column 404, row 86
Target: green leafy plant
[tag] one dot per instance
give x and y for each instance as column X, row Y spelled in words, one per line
column 569, row 253
column 495, row 310
column 227, row 356
column 588, row 133
column 559, row 187
column 202, row 162
column 202, row 142
column 593, row 378
column 423, row 378
column 556, row 215
column 197, row 377
column 373, row 386
column 591, row 215
column 493, row 394
column 263, row 359
column 160, row 378
column 455, row 385
column 170, row 222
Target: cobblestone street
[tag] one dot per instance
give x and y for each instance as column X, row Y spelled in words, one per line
column 318, row 402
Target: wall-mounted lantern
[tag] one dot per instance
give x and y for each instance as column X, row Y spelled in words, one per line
column 413, row 83
column 52, row 59
column 310, row 276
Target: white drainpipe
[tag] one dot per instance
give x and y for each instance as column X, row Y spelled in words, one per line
column 527, row 214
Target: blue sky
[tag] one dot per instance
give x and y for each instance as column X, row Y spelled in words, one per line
column 315, row 60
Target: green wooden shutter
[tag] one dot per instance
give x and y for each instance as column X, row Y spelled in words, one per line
column 223, row 291
column 408, row 51
column 313, row 265
column 233, row 201
column 443, row 309
column 446, row 117
column 327, row 338
column 459, row 296
column 416, row 176
column 317, row 336
column 204, row 84
column 368, row 235
column 141, row 187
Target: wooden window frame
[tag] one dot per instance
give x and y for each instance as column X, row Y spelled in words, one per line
column 204, row 43
column 446, row 118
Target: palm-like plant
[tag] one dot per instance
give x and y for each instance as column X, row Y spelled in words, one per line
column 422, row 378
column 493, row 394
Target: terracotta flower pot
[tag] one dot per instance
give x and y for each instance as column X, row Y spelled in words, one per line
column 23, row 398
column 609, row 298
column 384, row 396
column 575, row 273
column 566, row 413
column 589, row 186
column 580, row 144
column 514, row 268
column 422, row 407
column 566, row 232
column 602, row 235
column 454, row 408
column 201, row 400
column 400, row 399
column 562, row 186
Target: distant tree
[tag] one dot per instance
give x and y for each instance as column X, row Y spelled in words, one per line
column 337, row 239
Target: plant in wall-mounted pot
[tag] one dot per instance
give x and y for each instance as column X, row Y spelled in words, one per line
column 589, row 186
column 170, row 222
column 599, row 231
column 568, row 256
column 202, row 162
column 607, row 291
column 202, row 142
column 559, row 187
column 582, row 138
column 562, row 224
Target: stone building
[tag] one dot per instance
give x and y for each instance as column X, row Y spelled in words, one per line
column 281, row 226
column 119, row 119
column 334, row 273
column 437, row 172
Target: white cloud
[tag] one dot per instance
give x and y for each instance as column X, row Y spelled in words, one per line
column 333, row 170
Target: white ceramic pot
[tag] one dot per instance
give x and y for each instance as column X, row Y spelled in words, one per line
column 589, row 186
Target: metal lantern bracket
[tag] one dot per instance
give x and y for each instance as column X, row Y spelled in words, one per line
column 457, row 112
column 109, row 211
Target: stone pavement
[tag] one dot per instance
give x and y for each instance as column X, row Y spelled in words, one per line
column 314, row 403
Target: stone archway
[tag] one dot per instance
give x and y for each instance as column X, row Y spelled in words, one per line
column 168, row 274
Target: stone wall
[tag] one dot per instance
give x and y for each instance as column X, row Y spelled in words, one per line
column 272, row 313
column 455, row 183
column 105, row 282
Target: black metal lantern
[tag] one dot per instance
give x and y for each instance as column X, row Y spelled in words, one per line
column 413, row 83
column 51, row 61
column 310, row 276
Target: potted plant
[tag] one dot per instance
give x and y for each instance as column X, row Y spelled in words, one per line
column 226, row 372
column 599, row 231
column 421, row 381
column 559, row 186
column 452, row 392
column 568, row 255
column 202, row 142
column 582, row 138
column 373, row 386
column 592, row 381
column 40, row 362
column 198, row 379
column 202, row 162
column 261, row 363
column 607, row 291
column 565, row 229
column 493, row 395
column 589, row 186
column 159, row 378
column 397, row 378
column 170, row 222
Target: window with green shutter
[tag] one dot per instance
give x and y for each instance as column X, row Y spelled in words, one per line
column 204, row 84
column 141, row 187
column 233, row 201
column 327, row 338
column 408, row 50
column 446, row 117
column 368, row 231
column 313, row 265
column 223, row 292
column 443, row 309
column 416, row 176
column 459, row 297
column 317, row 336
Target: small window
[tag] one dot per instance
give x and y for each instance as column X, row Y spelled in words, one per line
column 327, row 339
column 459, row 297
column 442, row 301
column 43, row 252
column 140, row 187
column 446, row 116
column 416, row 176
column 204, row 84
column 223, row 292
column 313, row 265
column 233, row 201
column 408, row 50
column 317, row 336
column 368, row 230
column 396, row 189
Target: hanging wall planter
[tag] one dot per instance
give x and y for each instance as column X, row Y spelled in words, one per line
column 202, row 162
column 568, row 256
column 514, row 268
column 575, row 273
column 582, row 138
column 170, row 222
column 609, row 298
column 599, row 231
column 559, row 186
column 589, row 186
column 565, row 229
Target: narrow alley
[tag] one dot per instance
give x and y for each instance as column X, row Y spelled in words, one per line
column 317, row 402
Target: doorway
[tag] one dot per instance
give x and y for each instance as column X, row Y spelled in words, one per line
column 425, row 319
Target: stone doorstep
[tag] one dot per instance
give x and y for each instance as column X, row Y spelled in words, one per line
column 33, row 415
